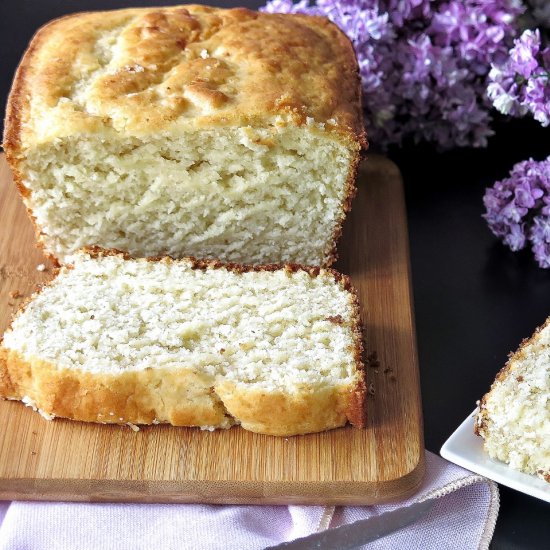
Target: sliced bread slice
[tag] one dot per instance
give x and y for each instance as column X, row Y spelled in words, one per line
column 514, row 417
column 112, row 339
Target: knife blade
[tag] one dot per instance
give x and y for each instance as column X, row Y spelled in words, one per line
column 360, row 532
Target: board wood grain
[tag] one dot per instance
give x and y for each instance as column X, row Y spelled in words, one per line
column 66, row 460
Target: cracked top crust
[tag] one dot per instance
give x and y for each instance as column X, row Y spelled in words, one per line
column 142, row 71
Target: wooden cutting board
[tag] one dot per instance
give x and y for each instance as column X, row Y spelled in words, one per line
column 66, row 460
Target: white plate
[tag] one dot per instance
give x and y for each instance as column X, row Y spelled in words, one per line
column 466, row 449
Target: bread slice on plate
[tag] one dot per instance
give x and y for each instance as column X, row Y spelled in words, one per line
column 188, row 131
column 112, row 339
column 514, row 417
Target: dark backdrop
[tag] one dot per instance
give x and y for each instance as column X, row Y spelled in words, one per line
column 474, row 299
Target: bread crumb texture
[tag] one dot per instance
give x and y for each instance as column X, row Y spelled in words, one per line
column 188, row 130
column 141, row 342
column 514, row 417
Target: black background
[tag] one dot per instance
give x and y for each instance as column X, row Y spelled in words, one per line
column 474, row 299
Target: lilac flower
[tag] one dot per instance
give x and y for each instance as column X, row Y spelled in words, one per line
column 524, row 53
column 424, row 64
column 518, row 209
column 540, row 239
column 537, row 98
column 521, row 84
column 286, row 6
column 504, row 91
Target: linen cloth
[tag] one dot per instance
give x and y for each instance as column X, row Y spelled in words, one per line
column 463, row 517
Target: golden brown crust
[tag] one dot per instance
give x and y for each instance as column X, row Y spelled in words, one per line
column 178, row 396
column 184, row 397
column 285, row 414
column 356, row 409
column 151, row 70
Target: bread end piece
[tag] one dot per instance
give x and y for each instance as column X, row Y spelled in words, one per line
column 184, row 97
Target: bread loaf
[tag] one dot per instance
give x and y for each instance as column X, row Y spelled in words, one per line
column 188, row 130
column 190, row 343
column 514, row 417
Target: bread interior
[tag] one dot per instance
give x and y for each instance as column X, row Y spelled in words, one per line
column 276, row 330
column 239, row 194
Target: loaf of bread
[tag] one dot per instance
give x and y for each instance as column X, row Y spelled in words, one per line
column 514, row 417
column 190, row 343
column 188, row 131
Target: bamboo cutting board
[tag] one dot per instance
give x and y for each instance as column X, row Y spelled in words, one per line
column 65, row 460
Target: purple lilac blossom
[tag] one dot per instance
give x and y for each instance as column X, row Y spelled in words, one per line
column 424, row 64
column 517, row 209
column 521, row 84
